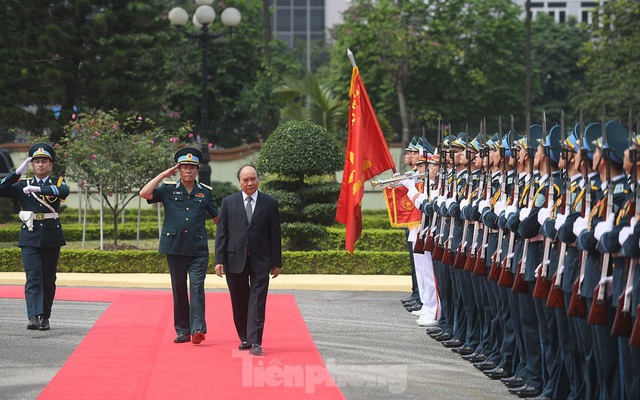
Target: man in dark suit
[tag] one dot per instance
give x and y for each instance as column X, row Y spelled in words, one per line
column 248, row 247
column 41, row 232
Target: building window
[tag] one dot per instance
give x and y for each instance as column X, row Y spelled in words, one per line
column 562, row 16
column 298, row 19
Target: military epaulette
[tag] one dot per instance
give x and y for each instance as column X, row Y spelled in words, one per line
column 207, row 186
column 620, row 188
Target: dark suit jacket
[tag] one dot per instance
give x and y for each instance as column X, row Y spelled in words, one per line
column 235, row 237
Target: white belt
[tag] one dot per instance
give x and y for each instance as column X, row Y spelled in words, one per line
column 41, row 216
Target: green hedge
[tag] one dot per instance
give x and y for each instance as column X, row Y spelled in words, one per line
column 295, row 262
column 370, row 239
column 73, row 232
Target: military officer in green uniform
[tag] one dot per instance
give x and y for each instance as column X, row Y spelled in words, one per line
column 184, row 239
column 41, row 232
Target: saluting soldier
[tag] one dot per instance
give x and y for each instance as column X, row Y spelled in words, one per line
column 187, row 203
column 41, row 232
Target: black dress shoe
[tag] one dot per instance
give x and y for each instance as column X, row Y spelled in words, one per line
column 463, row 351
column 514, row 383
column 529, row 391
column 515, row 390
column 408, row 299
column 182, row 338
column 497, row 373
column 256, row 350
column 434, row 330
column 44, row 324
column 443, row 337
column 452, row 343
column 485, row 365
column 34, row 323
column 512, row 379
column 466, row 357
column 416, row 307
column 244, row 346
column 478, row 358
column 411, row 303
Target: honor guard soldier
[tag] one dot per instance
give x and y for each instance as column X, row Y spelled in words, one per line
column 187, row 203
column 41, row 232
column 607, row 161
column 629, row 239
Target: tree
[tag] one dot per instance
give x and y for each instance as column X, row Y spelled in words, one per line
column 116, row 156
column 611, row 61
column 303, row 157
column 79, row 55
column 306, row 100
column 555, row 50
column 423, row 61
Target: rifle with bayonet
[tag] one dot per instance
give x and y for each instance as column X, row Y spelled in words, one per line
column 447, row 255
column 461, row 257
column 496, row 265
column 598, row 312
column 519, row 284
column 506, row 275
column 622, row 321
column 430, row 241
column 472, row 252
column 577, row 304
column 480, row 268
column 555, row 298
column 439, row 250
column 418, row 246
column 543, row 285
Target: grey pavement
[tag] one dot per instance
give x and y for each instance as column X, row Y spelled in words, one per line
column 370, row 344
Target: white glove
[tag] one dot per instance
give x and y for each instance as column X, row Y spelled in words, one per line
column 413, row 192
column 579, row 226
column 499, row 207
column 510, row 210
column 624, row 234
column 524, row 213
column 31, row 189
column 603, row 227
column 537, row 272
column 482, row 205
column 434, row 194
column 424, row 231
column 440, row 200
column 408, row 183
column 608, row 282
column 23, row 167
column 560, row 220
column 464, row 204
column 543, row 214
column 449, row 202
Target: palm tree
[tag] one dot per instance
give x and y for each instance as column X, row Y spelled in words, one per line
column 306, row 100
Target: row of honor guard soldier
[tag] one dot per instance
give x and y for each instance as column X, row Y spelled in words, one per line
column 534, row 243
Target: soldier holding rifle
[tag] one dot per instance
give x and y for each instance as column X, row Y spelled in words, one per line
column 607, row 161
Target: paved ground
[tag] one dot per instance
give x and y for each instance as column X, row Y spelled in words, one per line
column 370, row 344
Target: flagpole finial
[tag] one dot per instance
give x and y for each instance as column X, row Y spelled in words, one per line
column 351, row 58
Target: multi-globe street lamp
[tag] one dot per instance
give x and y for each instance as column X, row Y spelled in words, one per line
column 202, row 18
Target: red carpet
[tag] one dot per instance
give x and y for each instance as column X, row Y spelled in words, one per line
column 130, row 354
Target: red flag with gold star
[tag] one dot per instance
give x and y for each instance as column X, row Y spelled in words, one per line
column 367, row 156
column 402, row 212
